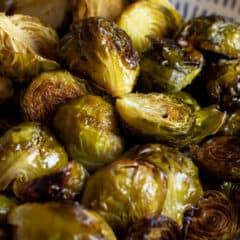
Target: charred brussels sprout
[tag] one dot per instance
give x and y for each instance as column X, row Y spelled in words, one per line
column 125, row 191
column 27, row 151
column 214, row 34
column 102, row 52
column 154, row 228
column 213, row 218
column 6, row 89
column 47, row 92
column 54, row 12
column 65, row 184
column 109, row 9
column 157, row 116
column 183, row 188
column 6, row 204
column 143, row 20
column 56, row 220
column 88, row 127
column 219, row 156
column 25, row 46
column 222, row 83
column 167, row 67
column 232, row 124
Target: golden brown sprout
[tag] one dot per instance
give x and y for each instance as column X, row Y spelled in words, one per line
column 101, row 51
column 143, row 20
column 219, row 156
column 47, row 92
column 52, row 12
column 6, row 89
column 109, row 9
column 156, row 227
column 125, row 191
column 64, row 184
column 232, row 125
column 213, row 218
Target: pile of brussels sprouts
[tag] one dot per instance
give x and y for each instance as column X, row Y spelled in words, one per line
column 118, row 120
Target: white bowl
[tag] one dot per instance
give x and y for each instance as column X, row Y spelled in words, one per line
column 190, row 8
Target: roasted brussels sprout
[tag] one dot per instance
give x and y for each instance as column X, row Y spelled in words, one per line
column 167, row 67
column 219, row 156
column 143, row 20
column 88, row 127
column 109, row 9
column 27, row 151
column 232, row 124
column 48, row 91
column 102, row 52
column 125, row 191
column 65, row 184
column 212, row 33
column 26, row 43
column 213, row 218
column 6, row 204
column 6, row 89
column 154, row 228
column 56, row 220
column 157, row 116
column 54, row 12
column 222, row 83
column 183, row 188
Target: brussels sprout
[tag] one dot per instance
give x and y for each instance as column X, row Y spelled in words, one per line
column 64, row 184
column 167, row 67
column 109, row 9
column 184, row 188
column 222, row 83
column 232, row 190
column 54, row 12
column 47, row 92
column 6, row 204
column 212, row 33
column 232, row 125
column 157, row 116
column 25, row 46
column 88, row 128
column 125, row 191
column 6, row 89
column 58, row 221
column 102, row 52
column 27, row 151
column 213, row 218
column 220, row 156
column 154, row 228
column 143, row 20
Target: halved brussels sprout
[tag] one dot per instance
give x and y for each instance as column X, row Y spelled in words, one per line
column 58, row 221
column 64, row 184
column 125, row 191
column 48, row 91
column 89, row 129
column 219, row 156
column 26, row 45
column 167, row 67
column 157, row 116
column 232, row 124
column 222, row 80
column 6, row 204
column 184, row 188
column 54, row 12
column 103, row 52
column 6, row 89
column 212, row 33
column 109, row 9
column 156, row 227
column 143, row 20
column 213, row 218
column 27, row 151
